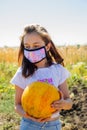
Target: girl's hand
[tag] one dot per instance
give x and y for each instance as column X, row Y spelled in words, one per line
column 62, row 103
column 59, row 104
column 37, row 119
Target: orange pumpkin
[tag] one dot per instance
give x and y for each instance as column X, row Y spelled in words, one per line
column 37, row 98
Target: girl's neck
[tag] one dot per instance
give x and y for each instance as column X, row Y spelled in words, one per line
column 42, row 64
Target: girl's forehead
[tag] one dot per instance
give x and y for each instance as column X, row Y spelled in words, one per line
column 32, row 37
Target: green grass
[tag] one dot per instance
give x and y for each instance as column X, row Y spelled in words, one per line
column 6, row 89
column 7, row 101
column 78, row 74
column 8, row 118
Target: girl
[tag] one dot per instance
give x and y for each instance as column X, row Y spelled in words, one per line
column 40, row 62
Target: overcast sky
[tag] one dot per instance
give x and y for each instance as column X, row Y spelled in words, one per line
column 65, row 20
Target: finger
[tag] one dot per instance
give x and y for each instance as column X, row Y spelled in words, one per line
column 54, row 102
column 57, row 106
column 33, row 118
column 45, row 119
column 57, row 103
column 57, row 110
column 40, row 119
column 61, row 94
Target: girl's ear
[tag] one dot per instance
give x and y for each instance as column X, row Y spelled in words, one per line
column 48, row 46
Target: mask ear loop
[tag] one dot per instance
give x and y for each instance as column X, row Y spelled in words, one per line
column 48, row 54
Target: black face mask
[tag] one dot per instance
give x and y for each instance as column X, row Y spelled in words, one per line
column 35, row 55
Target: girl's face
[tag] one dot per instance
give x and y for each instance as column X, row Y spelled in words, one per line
column 33, row 41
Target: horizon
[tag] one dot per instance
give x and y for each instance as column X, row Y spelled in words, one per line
column 67, row 45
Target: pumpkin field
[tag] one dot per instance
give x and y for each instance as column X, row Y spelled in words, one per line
column 75, row 60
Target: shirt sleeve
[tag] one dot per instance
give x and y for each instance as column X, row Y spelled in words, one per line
column 18, row 79
column 63, row 73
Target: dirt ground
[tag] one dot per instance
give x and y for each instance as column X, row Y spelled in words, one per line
column 76, row 118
